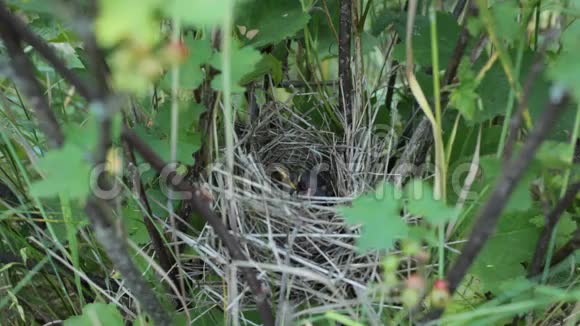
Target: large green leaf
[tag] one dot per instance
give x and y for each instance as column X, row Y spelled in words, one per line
column 273, row 20
column 566, row 67
column 505, row 16
column 185, row 146
column 421, row 201
column 190, row 73
column 133, row 20
column 97, row 314
column 243, row 61
column 447, row 34
column 378, row 213
column 506, row 253
column 134, row 224
column 464, row 97
column 67, row 172
column 197, row 12
column 493, row 91
column 491, row 168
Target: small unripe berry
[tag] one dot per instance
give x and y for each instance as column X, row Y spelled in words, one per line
column 390, row 264
column 391, row 279
column 440, row 295
column 423, row 256
column 411, row 247
column 410, row 297
column 415, row 282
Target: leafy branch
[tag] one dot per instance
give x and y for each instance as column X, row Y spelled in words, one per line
column 108, row 232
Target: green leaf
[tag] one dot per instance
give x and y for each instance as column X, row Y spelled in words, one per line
column 273, row 20
column 378, row 213
column 421, row 201
column 197, row 12
column 134, row 20
column 520, row 199
column 134, row 224
column 190, row 72
column 268, row 64
column 502, row 257
column 494, row 90
column 388, row 17
column 243, row 61
column 187, row 121
column 84, row 136
column 39, row 6
column 505, row 16
column 552, row 154
column 97, row 314
column 566, row 70
column 464, row 97
column 278, row 26
column 67, row 172
column 447, row 33
column 186, row 146
column 564, row 230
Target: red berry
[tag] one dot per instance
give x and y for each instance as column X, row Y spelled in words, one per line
column 440, row 294
column 175, row 52
column 415, row 282
column 441, row 284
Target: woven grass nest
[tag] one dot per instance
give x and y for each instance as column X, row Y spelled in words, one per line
column 299, row 243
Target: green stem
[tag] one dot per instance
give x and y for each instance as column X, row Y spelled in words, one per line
column 440, row 164
column 510, row 102
column 537, row 27
column 227, row 108
column 71, row 234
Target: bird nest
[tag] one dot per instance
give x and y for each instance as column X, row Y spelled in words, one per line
column 293, row 235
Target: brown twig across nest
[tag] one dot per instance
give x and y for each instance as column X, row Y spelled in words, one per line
column 299, row 241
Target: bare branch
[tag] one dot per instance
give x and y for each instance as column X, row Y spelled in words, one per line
column 24, row 75
column 166, row 261
column 113, row 240
column 48, row 53
column 567, row 249
column 490, row 213
column 551, row 222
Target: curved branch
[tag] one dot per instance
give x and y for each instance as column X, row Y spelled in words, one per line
column 44, row 49
column 551, row 222
column 113, row 241
column 26, row 80
column 512, row 173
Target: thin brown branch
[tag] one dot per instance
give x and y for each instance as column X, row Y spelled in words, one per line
column 200, row 203
column 551, row 221
column 108, row 233
column 110, row 236
column 25, row 78
column 166, row 261
column 44, row 49
column 518, row 117
column 567, row 249
column 490, row 213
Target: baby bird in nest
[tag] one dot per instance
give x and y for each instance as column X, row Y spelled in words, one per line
column 306, row 183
